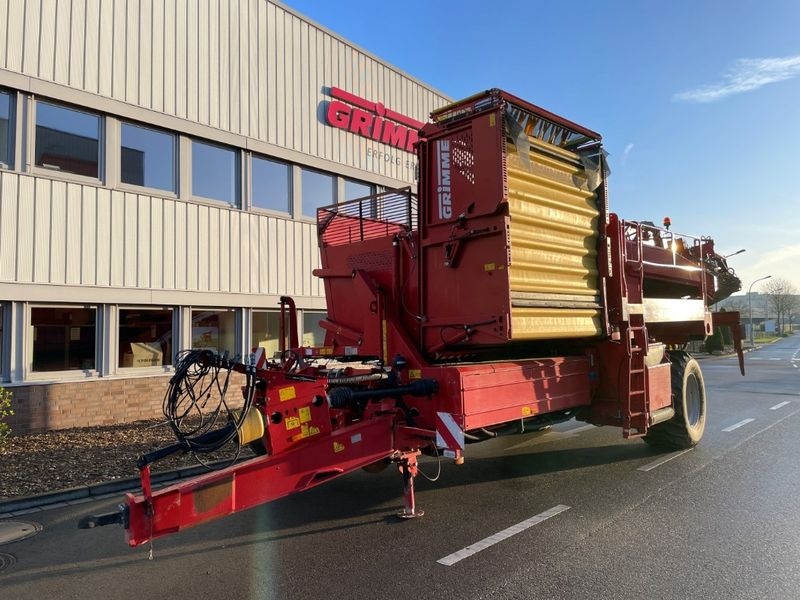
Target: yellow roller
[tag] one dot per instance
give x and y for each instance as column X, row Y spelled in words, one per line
column 553, row 234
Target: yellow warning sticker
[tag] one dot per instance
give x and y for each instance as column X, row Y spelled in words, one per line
column 287, row 393
column 305, row 414
column 338, row 446
column 326, row 351
column 491, row 120
column 292, row 423
column 305, row 431
column 489, row 267
column 526, row 411
column 415, row 373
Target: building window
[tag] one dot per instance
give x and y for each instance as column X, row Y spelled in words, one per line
column 145, row 337
column 318, row 191
column 67, row 140
column 357, row 189
column 266, row 331
column 214, row 172
column 2, row 342
column 6, row 141
column 63, row 338
column 271, row 184
column 214, row 330
column 147, row 157
column 313, row 334
column 354, row 190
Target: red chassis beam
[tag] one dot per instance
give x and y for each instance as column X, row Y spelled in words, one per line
column 258, row 481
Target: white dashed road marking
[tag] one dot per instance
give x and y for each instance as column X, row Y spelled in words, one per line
column 737, row 425
column 781, row 405
column 455, row 557
column 662, row 460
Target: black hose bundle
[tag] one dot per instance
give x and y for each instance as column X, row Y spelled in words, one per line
column 195, row 405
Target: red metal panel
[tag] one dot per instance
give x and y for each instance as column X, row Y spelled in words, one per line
column 296, row 412
column 488, row 394
column 464, row 233
column 502, row 392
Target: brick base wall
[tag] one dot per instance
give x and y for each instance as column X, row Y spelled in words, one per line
column 43, row 407
column 47, row 406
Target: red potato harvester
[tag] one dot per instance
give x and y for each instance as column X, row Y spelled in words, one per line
column 503, row 299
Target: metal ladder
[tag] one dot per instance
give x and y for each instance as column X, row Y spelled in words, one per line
column 635, row 420
column 637, row 414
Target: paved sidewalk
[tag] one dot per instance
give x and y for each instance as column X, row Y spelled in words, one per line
column 26, row 505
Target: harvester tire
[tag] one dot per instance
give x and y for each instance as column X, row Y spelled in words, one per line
column 686, row 428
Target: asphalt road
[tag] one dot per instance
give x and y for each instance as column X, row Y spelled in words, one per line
column 580, row 513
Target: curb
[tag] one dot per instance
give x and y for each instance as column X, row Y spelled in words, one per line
column 57, row 499
column 704, row 355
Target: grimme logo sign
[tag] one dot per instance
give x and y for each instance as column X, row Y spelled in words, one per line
column 443, row 182
column 371, row 120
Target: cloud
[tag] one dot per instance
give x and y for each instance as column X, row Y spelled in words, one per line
column 744, row 75
column 625, row 153
column 789, row 253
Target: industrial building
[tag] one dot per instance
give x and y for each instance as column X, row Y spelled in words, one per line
column 161, row 164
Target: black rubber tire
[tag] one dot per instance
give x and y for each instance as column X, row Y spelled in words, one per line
column 686, row 428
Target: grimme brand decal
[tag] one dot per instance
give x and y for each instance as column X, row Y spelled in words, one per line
column 371, row 120
column 443, row 187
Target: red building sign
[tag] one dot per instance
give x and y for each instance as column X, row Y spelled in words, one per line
column 371, row 120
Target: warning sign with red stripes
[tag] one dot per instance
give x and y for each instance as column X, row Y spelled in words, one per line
column 448, row 433
column 260, row 357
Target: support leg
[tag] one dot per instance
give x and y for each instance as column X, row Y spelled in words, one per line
column 408, row 469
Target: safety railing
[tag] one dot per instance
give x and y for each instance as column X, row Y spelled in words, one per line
column 380, row 215
column 683, row 252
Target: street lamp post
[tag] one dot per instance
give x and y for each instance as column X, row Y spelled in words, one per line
column 750, row 302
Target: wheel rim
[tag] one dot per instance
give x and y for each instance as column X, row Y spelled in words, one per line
column 693, row 400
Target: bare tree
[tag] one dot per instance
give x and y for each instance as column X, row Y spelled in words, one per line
column 781, row 298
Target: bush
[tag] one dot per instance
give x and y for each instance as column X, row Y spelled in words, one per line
column 5, row 412
column 714, row 342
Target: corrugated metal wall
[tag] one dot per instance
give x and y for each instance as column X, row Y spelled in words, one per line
column 71, row 234
column 246, row 66
column 249, row 67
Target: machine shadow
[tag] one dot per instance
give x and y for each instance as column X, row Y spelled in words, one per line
column 360, row 499
column 352, row 501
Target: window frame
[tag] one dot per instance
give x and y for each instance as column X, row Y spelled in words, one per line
column 277, row 312
column 153, row 191
column 236, row 202
column 237, row 325
column 302, row 324
column 372, row 187
column 5, row 338
column 102, row 137
column 12, row 129
column 117, row 339
column 251, row 156
column 301, row 216
column 63, row 374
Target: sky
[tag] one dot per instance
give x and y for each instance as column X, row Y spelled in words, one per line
column 698, row 103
